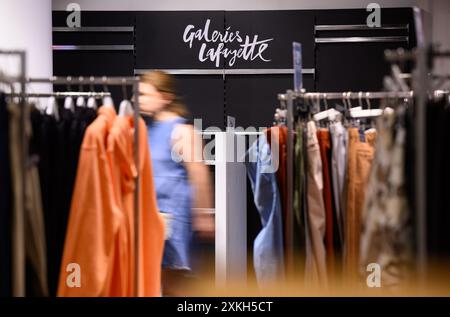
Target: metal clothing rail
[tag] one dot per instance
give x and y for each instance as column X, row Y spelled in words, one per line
column 346, row 95
column 18, row 282
column 63, row 94
column 361, row 39
column 233, row 71
column 93, row 29
column 93, row 47
column 359, row 27
column 86, row 80
column 420, row 84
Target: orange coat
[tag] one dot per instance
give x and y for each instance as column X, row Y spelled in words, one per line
column 95, row 217
column 100, row 235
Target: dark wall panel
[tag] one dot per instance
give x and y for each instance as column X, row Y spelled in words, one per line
column 204, row 96
column 283, row 27
column 252, row 99
column 357, row 66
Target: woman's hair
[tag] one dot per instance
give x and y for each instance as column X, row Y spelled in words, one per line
column 166, row 83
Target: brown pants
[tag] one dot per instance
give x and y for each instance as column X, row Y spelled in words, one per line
column 360, row 157
column 325, row 153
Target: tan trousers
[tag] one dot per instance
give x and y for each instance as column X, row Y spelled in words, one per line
column 360, row 157
column 316, row 271
column 28, row 229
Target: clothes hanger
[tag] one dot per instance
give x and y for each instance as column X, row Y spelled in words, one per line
column 327, row 113
column 368, row 113
column 396, row 75
column 68, row 101
column 52, row 108
column 125, row 107
column 107, row 100
column 92, row 103
column 310, row 108
column 80, row 100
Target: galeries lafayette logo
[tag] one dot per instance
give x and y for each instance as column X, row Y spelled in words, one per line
column 214, row 48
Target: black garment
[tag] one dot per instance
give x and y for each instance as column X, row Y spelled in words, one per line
column 410, row 168
column 438, row 175
column 44, row 140
column 58, row 146
column 5, row 203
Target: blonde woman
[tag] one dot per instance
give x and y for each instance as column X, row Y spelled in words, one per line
column 182, row 183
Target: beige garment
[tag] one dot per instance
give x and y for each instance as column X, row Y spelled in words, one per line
column 18, row 213
column 28, row 220
column 316, row 271
column 360, row 157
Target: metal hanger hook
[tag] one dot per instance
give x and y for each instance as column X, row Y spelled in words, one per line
column 368, row 100
column 80, row 80
column 91, row 85
column 349, row 101
column 124, row 89
column 105, row 83
column 69, row 80
column 318, row 102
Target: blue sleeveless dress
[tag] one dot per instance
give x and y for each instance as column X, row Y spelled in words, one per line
column 173, row 191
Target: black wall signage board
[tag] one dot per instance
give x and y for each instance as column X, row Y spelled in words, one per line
column 192, row 40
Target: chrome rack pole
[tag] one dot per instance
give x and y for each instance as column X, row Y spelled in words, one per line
column 290, row 184
column 420, row 87
column 137, row 189
column 357, row 95
column 24, row 154
column 85, row 80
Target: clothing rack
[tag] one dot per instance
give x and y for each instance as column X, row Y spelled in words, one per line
column 288, row 99
column 104, row 81
column 113, row 81
column 423, row 56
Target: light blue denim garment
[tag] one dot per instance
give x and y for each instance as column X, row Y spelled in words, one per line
column 173, row 193
column 268, row 252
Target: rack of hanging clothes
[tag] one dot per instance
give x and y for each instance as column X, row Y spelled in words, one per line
column 352, row 190
column 94, row 169
column 324, row 147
